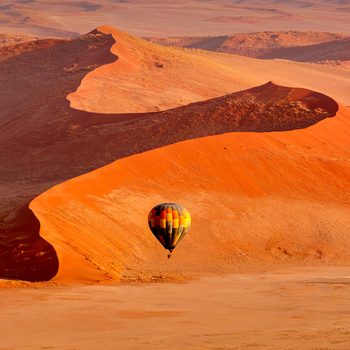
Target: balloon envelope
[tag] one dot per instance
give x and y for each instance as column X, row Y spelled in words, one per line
column 169, row 223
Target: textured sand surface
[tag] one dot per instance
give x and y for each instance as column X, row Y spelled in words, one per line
column 10, row 39
column 149, row 77
column 96, row 130
column 295, row 309
column 319, row 47
column 311, row 164
column 183, row 17
column 284, row 190
column 257, row 44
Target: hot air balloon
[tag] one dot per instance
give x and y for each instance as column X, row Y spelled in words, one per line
column 169, row 223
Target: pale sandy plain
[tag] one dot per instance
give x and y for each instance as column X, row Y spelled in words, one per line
column 293, row 309
column 173, row 18
column 272, row 197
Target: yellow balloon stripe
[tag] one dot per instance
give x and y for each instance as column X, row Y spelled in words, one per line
column 162, row 223
column 175, row 223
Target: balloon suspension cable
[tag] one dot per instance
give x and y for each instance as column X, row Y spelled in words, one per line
column 169, row 255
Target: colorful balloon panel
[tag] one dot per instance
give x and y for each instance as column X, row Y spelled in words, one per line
column 169, row 223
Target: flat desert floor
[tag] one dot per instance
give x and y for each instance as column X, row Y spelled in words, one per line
column 297, row 309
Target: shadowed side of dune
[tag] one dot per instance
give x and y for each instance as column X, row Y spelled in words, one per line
column 37, row 75
column 24, row 254
column 266, row 108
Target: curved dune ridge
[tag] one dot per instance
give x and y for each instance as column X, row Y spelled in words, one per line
column 51, row 142
column 147, row 77
column 258, row 201
column 78, row 260
column 319, row 47
column 259, row 44
column 265, row 108
column 37, row 76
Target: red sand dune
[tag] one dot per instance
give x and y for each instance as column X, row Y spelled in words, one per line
column 338, row 51
column 49, row 142
column 258, row 201
column 37, row 76
column 148, row 77
column 260, row 44
column 12, row 39
column 319, row 47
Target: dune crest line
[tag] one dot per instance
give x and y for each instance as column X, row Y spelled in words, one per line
column 70, row 142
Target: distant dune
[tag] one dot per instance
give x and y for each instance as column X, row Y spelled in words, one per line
column 169, row 18
column 320, row 47
column 11, row 39
column 257, row 44
column 336, row 52
column 109, row 74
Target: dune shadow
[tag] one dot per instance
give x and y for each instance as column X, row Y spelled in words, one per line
column 36, row 74
column 336, row 50
column 25, row 255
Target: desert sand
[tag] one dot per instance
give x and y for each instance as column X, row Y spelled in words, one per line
column 299, row 133
column 169, row 18
column 318, row 47
column 293, row 309
column 96, row 129
column 236, row 200
column 149, row 77
column 12, row 39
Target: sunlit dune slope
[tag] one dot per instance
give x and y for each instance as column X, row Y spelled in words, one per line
column 258, row 201
column 149, row 77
